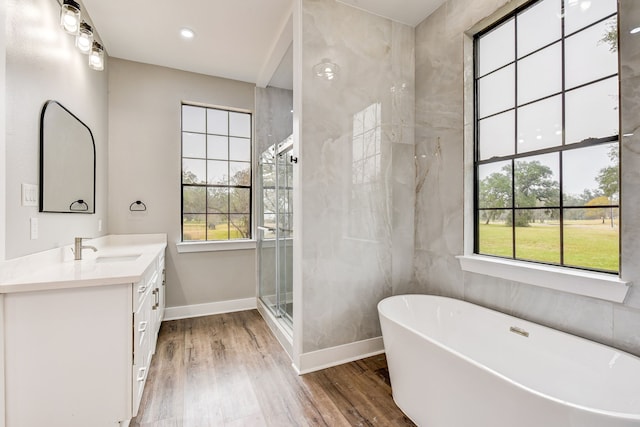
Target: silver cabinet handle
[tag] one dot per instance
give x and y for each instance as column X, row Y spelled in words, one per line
column 142, row 326
column 141, row 374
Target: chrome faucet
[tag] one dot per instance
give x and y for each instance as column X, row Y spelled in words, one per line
column 77, row 248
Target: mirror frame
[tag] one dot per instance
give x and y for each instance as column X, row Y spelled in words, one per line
column 42, row 161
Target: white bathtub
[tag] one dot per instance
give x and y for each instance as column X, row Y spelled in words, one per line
column 456, row 364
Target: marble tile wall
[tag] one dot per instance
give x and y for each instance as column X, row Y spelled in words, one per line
column 439, row 145
column 356, row 165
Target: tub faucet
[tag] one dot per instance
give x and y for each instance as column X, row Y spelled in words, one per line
column 77, row 248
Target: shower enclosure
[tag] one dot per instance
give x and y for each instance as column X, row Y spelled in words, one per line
column 275, row 230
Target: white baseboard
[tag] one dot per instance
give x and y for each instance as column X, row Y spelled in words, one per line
column 219, row 307
column 333, row 356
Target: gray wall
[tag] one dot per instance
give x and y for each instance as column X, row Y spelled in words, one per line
column 145, row 164
column 3, row 176
column 42, row 63
column 356, row 242
column 439, row 208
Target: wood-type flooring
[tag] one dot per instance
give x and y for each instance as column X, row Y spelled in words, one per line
column 228, row 370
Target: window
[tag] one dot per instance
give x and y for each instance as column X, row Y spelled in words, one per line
column 546, row 135
column 216, row 174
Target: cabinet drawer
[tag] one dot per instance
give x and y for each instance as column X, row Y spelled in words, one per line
column 143, row 288
column 139, row 379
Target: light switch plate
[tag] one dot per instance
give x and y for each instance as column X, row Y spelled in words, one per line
column 29, row 195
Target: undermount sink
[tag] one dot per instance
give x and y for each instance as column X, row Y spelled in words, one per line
column 117, row 258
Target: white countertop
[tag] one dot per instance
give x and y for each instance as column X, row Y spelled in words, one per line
column 119, row 259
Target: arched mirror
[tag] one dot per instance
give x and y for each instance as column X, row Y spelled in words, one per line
column 67, row 162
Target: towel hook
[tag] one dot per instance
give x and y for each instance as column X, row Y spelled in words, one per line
column 79, row 206
column 137, row 206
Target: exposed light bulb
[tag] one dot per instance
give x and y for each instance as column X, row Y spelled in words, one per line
column 70, row 16
column 84, row 39
column 70, row 23
column 96, row 57
column 187, row 33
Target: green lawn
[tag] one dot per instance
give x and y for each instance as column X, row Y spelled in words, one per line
column 196, row 230
column 589, row 244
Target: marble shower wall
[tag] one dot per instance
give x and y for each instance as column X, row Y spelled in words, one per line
column 440, row 128
column 356, row 171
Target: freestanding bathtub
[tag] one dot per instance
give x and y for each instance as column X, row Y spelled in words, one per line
column 456, row 364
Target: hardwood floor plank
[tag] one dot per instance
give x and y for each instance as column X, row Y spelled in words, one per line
column 162, row 423
column 228, row 370
column 163, row 396
column 344, row 402
column 256, row 420
column 202, row 406
column 170, row 349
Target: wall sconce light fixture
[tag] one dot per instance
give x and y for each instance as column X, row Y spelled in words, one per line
column 71, row 22
column 326, row 69
column 84, row 39
column 96, row 57
column 70, row 16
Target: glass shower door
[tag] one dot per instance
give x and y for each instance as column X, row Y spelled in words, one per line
column 267, row 229
column 285, row 233
column 275, row 230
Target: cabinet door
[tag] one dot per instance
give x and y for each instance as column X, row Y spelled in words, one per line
column 68, row 357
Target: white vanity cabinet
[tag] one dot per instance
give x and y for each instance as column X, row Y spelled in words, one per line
column 79, row 356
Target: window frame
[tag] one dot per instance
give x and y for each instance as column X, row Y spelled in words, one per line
column 565, row 146
column 237, row 243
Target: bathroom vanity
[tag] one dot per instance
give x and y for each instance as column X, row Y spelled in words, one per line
column 79, row 334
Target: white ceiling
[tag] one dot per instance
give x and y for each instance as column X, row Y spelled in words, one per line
column 410, row 12
column 244, row 40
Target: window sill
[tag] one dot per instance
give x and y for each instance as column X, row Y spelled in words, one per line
column 231, row 245
column 596, row 285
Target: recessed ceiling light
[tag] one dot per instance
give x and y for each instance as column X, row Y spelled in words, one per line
column 187, row 33
column 585, row 5
column 635, row 30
